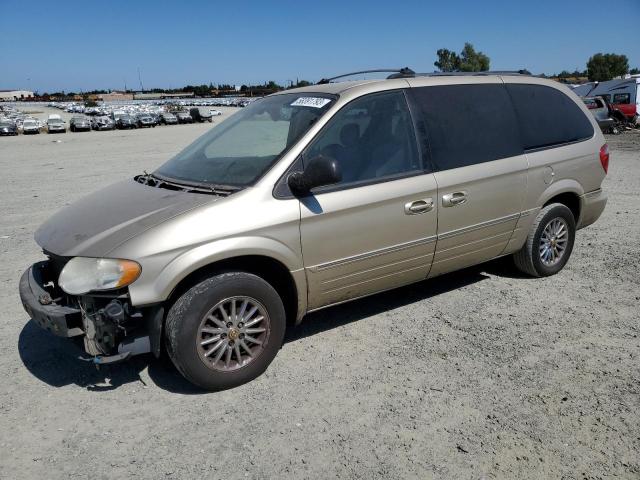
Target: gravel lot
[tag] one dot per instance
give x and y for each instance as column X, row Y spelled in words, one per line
column 477, row 374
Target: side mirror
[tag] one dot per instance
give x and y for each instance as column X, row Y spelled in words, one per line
column 320, row 171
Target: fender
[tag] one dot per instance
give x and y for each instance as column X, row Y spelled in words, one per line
column 158, row 288
column 566, row 185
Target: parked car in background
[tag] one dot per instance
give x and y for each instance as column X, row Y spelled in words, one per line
column 30, row 126
column 622, row 94
column 79, row 124
column 600, row 110
column 350, row 204
column 145, row 120
column 184, row 117
column 167, row 118
column 102, row 122
column 7, row 127
column 200, row 114
column 56, row 125
column 215, row 113
column 125, row 122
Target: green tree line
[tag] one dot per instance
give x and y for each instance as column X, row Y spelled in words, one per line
column 599, row 67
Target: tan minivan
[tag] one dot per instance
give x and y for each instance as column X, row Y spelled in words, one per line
column 312, row 197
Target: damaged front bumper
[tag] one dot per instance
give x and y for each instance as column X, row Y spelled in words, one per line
column 61, row 320
column 112, row 329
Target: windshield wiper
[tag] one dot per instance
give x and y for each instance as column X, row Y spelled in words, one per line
column 196, row 187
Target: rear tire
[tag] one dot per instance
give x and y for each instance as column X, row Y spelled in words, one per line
column 549, row 243
column 205, row 314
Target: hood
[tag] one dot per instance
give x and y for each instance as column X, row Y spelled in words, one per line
column 100, row 222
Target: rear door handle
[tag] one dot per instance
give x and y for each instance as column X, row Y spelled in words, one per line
column 419, row 206
column 453, row 199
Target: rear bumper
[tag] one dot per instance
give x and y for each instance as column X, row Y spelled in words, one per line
column 61, row 320
column 591, row 207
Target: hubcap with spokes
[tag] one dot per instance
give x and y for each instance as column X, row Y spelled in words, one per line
column 553, row 241
column 233, row 333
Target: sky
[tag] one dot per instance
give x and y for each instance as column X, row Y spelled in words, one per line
column 78, row 46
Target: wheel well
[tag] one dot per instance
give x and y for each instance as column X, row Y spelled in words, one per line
column 570, row 200
column 270, row 270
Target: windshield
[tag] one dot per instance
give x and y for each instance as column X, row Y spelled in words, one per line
column 238, row 151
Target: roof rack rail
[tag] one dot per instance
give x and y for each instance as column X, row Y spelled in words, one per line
column 396, row 73
column 487, row 72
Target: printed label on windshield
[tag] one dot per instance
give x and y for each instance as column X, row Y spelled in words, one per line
column 315, row 102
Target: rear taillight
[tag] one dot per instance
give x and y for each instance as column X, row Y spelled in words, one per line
column 604, row 157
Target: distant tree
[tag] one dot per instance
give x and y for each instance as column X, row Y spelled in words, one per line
column 472, row 61
column 468, row 61
column 271, row 85
column 605, row 66
column 634, row 71
column 524, row 71
column 448, row 61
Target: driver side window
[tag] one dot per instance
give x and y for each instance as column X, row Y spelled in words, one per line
column 372, row 138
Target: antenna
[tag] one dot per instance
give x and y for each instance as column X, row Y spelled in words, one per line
column 140, row 79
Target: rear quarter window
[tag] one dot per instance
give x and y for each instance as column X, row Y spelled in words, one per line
column 467, row 124
column 547, row 117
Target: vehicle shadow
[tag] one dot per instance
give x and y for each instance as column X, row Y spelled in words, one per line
column 54, row 360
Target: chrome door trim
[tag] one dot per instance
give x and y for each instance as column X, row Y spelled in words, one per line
column 373, row 253
column 478, row 226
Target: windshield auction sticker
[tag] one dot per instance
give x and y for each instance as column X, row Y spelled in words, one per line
column 315, row 102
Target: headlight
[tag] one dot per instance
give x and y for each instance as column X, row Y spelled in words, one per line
column 81, row 275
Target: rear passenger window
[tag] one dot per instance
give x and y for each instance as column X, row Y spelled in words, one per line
column 547, row 117
column 468, row 124
column 624, row 98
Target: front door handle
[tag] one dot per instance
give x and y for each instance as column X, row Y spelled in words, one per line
column 453, row 199
column 419, row 206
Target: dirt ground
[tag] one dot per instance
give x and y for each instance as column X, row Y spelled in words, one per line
column 478, row 374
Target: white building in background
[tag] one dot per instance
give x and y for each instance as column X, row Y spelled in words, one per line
column 14, row 95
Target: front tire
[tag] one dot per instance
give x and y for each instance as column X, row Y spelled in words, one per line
column 226, row 330
column 549, row 243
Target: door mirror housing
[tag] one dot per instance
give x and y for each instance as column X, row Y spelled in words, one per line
column 320, row 171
